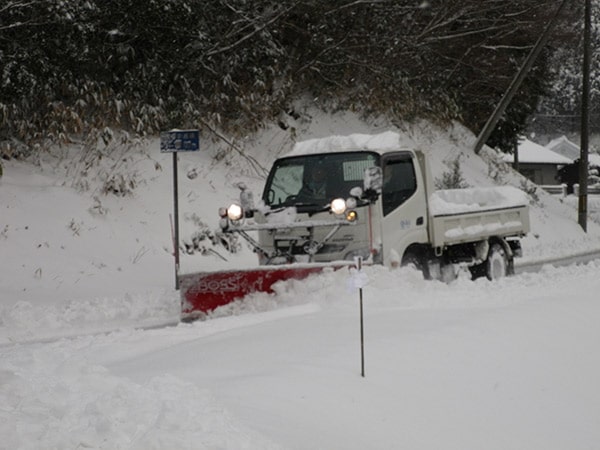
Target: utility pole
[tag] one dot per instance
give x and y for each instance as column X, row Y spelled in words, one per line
column 516, row 154
column 585, row 116
column 488, row 128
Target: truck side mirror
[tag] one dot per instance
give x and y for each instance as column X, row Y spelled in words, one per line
column 246, row 200
column 356, row 191
column 372, row 182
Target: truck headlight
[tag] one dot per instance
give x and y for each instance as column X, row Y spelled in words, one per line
column 338, row 206
column 235, row 212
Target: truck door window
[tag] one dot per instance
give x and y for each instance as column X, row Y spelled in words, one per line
column 399, row 183
column 286, row 182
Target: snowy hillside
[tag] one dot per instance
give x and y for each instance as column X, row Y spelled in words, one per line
column 73, row 253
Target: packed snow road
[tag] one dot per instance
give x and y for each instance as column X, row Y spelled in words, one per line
column 509, row 364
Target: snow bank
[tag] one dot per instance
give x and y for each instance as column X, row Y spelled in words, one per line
column 60, row 400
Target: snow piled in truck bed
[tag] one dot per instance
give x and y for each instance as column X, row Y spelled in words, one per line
column 456, row 201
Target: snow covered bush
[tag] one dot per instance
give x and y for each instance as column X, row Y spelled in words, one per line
column 453, row 178
column 107, row 163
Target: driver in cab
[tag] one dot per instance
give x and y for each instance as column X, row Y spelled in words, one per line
column 314, row 187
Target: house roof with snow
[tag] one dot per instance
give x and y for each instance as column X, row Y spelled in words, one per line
column 532, row 153
column 563, row 146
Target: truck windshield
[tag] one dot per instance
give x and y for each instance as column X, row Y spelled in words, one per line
column 315, row 180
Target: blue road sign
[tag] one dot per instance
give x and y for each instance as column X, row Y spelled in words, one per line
column 180, row 141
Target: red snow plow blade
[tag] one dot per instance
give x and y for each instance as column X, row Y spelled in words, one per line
column 204, row 291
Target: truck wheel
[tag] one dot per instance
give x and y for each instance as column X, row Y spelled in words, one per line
column 496, row 264
column 411, row 259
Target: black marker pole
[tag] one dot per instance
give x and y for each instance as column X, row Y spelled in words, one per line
column 362, row 328
column 176, row 220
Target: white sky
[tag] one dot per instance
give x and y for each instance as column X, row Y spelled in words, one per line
column 511, row 364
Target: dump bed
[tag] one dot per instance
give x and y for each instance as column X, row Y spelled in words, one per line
column 468, row 215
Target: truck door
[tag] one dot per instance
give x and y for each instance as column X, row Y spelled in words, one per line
column 403, row 204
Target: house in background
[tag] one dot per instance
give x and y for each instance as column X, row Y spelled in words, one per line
column 538, row 163
column 565, row 147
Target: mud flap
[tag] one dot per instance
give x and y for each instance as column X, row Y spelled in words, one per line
column 202, row 292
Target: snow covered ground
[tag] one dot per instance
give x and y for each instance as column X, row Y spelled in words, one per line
column 87, row 278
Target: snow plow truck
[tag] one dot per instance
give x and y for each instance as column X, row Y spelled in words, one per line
column 333, row 200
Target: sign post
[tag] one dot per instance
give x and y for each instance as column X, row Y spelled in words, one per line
column 172, row 142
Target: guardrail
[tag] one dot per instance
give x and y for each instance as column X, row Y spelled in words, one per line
column 561, row 189
column 536, row 265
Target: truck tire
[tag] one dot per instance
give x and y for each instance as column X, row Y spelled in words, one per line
column 419, row 263
column 496, row 264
